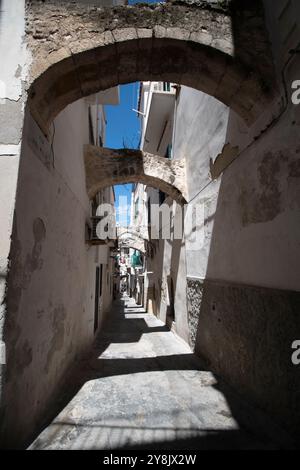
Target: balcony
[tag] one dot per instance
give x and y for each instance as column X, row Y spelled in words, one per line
column 158, row 121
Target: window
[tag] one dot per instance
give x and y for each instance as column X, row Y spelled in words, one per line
column 98, row 293
column 136, row 208
column 94, row 206
column 171, row 306
column 169, row 151
column 101, row 272
column 166, row 86
column 136, row 259
column 91, row 130
column 162, row 197
column 149, row 211
column 96, row 312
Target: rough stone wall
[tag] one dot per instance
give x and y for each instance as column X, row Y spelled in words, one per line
column 194, row 292
column 106, row 167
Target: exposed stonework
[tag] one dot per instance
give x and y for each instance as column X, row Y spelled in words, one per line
column 107, row 167
column 134, row 231
column 78, row 51
column 194, row 291
column 130, row 239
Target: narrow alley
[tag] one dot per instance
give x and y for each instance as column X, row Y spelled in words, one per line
column 135, row 360
column 149, row 225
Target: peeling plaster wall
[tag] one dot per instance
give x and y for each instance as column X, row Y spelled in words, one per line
column 12, row 96
column 258, row 208
column 246, row 333
column 251, row 233
column 51, row 285
column 258, row 213
column 251, row 237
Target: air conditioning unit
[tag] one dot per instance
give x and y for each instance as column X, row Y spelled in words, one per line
column 92, row 237
column 91, row 234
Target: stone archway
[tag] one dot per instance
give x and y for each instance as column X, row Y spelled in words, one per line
column 107, row 167
column 78, row 51
column 130, row 238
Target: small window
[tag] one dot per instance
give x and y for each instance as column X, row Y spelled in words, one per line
column 166, row 86
column 97, row 288
column 136, row 208
column 162, row 197
column 91, row 130
column 149, row 211
column 101, row 272
column 169, row 151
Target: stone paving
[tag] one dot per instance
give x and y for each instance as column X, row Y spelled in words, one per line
column 142, row 388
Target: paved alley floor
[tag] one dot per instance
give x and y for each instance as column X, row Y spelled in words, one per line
column 141, row 388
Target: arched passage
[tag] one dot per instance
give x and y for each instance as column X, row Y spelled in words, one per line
column 107, row 167
column 78, row 51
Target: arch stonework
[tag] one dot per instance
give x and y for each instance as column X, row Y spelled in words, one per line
column 77, row 51
column 129, row 237
column 107, row 167
column 132, row 231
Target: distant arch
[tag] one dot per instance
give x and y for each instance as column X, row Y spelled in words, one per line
column 129, row 237
column 130, row 231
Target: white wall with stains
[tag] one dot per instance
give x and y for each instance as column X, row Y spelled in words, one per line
column 12, row 78
column 51, row 288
